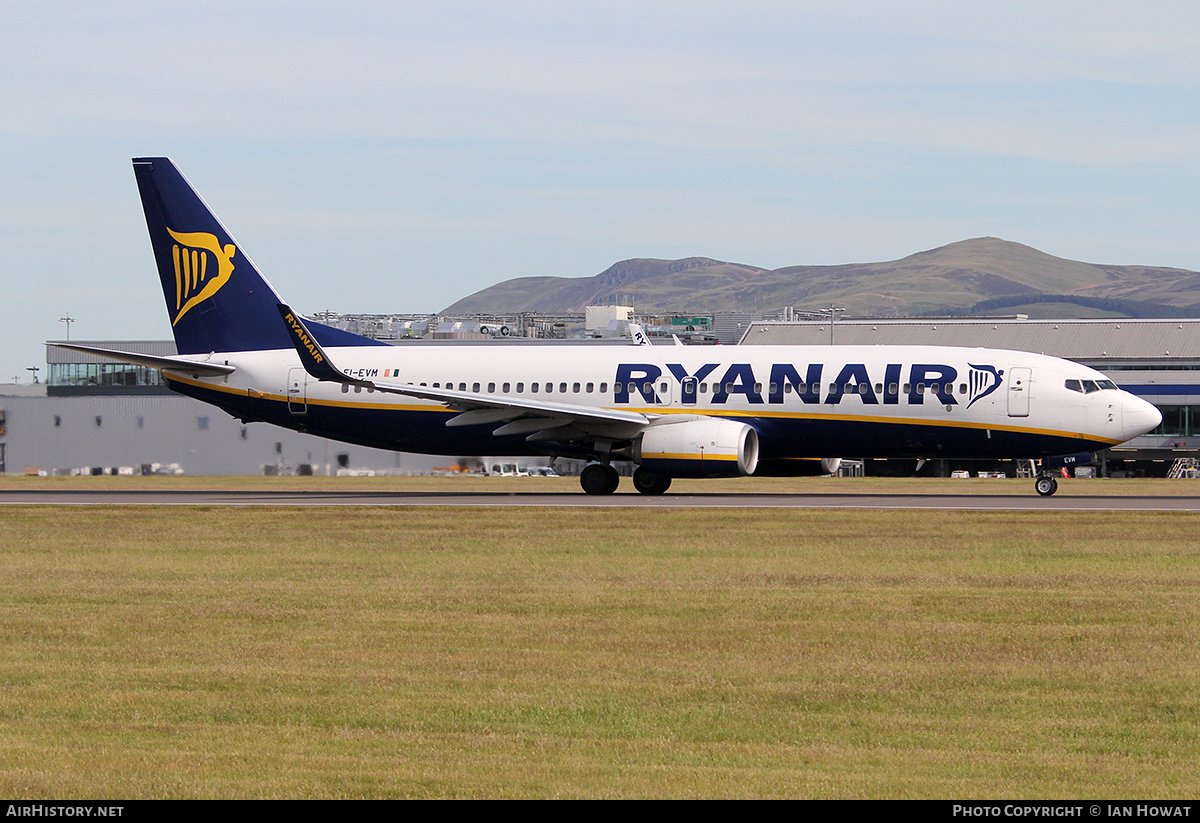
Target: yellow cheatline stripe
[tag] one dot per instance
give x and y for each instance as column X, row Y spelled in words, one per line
column 687, row 456
column 652, row 410
column 283, row 398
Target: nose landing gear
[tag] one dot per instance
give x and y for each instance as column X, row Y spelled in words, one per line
column 1046, row 485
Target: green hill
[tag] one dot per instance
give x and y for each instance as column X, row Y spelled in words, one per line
column 951, row 279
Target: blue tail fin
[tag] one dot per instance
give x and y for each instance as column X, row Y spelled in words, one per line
column 217, row 300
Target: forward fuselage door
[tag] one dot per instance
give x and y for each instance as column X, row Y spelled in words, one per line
column 297, row 391
column 1018, row 391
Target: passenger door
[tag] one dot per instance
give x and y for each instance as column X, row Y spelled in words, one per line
column 297, row 391
column 1019, row 378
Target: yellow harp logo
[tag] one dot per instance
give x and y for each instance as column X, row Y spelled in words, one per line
column 194, row 279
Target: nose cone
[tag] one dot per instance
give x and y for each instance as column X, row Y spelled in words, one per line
column 1138, row 416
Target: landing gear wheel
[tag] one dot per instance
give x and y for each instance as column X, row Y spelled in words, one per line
column 1046, row 486
column 597, row 478
column 648, row 483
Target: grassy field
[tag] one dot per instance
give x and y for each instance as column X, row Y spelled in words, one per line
column 438, row 652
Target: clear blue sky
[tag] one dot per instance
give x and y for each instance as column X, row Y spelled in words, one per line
column 397, row 156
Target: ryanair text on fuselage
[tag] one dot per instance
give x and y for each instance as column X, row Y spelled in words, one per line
column 853, row 379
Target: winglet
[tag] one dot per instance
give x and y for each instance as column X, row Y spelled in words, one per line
column 312, row 356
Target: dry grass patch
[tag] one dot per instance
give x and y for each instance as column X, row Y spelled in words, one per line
column 430, row 652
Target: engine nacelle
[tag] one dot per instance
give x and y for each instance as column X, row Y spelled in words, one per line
column 700, row 447
column 798, row 467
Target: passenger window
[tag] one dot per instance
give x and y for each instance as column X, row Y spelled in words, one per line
column 757, row 388
column 549, row 388
column 879, row 388
column 562, row 388
column 520, row 388
column 533, row 387
column 962, row 388
column 491, row 388
column 462, row 386
column 575, row 388
column 475, row 387
column 506, row 388
column 604, row 388
column 893, row 388
column 345, row 388
column 787, row 388
column 590, row 387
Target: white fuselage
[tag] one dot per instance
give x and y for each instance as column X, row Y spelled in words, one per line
column 861, row 401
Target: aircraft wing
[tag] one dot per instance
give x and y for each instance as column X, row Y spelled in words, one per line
column 176, row 364
column 540, row 419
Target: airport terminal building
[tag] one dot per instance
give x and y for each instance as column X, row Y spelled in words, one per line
column 93, row 414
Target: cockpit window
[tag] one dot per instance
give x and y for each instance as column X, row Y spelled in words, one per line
column 1089, row 386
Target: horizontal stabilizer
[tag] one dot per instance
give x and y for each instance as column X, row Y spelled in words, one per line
column 176, row 364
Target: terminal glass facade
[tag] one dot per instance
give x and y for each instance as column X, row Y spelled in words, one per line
column 1179, row 421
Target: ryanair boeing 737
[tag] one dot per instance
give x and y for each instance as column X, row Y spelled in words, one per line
column 675, row 411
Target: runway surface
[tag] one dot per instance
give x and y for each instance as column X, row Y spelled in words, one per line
column 968, row 502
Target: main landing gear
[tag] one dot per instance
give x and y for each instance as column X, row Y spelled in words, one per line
column 648, row 483
column 602, row 478
column 1046, row 485
column 599, row 478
